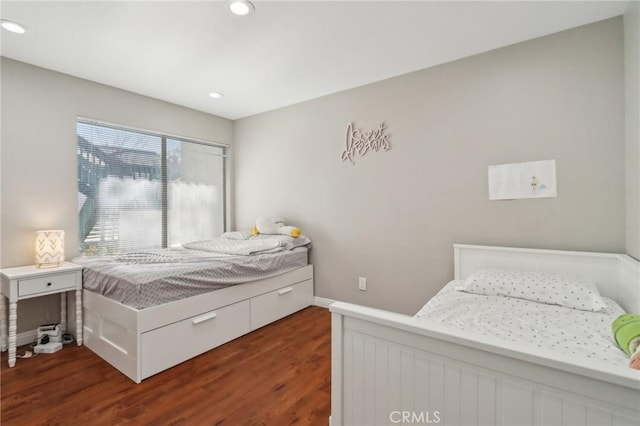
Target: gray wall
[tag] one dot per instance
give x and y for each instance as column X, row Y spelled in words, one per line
column 632, row 125
column 38, row 173
column 394, row 216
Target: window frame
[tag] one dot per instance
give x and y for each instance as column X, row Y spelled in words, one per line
column 164, row 136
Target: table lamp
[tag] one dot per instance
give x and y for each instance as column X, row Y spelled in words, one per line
column 49, row 248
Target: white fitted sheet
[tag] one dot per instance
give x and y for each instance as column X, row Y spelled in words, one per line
column 525, row 323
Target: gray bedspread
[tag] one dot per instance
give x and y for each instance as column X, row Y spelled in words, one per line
column 154, row 277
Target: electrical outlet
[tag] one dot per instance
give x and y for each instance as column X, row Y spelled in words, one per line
column 362, row 283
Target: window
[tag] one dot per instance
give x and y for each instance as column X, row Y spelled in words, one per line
column 139, row 190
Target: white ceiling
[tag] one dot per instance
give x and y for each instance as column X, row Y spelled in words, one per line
column 286, row 52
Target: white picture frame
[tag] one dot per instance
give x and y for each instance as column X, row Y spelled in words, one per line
column 533, row 179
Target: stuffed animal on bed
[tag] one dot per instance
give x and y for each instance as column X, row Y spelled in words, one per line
column 273, row 225
column 626, row 329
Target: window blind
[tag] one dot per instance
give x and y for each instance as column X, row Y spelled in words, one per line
column 138, row 190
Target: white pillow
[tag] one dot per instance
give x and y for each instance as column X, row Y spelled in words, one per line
column 544, row 287
column 288, row 242
column 235, row 235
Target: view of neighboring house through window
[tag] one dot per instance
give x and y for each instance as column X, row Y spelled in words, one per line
column 138, row 190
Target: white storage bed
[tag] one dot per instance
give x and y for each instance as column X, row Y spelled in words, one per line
column 389, row 368
column 143, row 342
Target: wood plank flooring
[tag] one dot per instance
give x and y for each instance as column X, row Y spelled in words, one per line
column 278, row 375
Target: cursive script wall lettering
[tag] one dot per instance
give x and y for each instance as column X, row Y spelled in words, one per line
column 359, row 142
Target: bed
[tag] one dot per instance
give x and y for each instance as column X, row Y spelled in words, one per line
column 389, row 368
column 145, row 312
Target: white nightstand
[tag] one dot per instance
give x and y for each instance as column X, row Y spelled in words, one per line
column 25, row 282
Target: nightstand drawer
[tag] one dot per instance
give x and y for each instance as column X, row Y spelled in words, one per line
column 46, row 284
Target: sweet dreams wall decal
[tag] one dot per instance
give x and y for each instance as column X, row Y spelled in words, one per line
column 359, row 142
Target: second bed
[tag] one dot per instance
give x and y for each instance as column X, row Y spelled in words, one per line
column 494, row 358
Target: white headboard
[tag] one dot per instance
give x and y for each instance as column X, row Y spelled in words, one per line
column 616, row 275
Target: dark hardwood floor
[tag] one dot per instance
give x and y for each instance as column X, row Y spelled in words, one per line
column 277, row 375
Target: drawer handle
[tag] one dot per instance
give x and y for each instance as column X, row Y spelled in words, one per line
column 285, row 291
column 48, row 284
column 204, row 318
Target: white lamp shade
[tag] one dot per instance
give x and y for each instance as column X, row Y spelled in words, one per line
column 49, row 248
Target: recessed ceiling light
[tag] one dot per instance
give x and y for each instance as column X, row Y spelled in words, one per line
column 240, row 7
column 215, row 95
column 13, row 27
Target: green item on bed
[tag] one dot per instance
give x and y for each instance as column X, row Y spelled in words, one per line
column 626, row 330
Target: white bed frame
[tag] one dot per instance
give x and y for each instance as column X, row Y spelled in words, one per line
column 389, row 368
column 143, row 342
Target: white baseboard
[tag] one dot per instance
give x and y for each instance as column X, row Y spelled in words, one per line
column 26, row 337
column 323, row 302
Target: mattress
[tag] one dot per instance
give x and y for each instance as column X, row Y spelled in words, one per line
column 155, row 277
column 526, row 324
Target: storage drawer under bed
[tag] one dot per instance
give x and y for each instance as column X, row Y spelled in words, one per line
column 167, row 346
column 277, row 304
